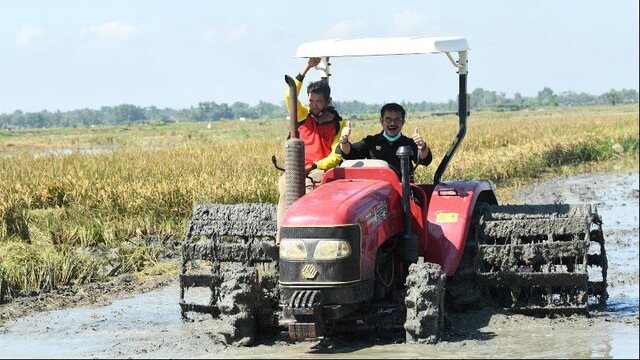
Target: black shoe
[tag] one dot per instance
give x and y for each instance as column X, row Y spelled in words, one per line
column 270, row 250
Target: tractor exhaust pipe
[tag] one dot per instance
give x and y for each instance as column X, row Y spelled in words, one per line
column 293, row 150
column 410, row 241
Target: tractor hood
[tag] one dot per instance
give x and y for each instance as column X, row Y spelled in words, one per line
column 364, row 201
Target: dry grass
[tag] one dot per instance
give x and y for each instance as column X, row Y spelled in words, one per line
column 114, row 187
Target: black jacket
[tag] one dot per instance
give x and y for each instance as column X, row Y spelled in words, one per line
column 377, row 147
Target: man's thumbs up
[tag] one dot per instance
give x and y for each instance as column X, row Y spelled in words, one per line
column 417, row 138
column 346, row 132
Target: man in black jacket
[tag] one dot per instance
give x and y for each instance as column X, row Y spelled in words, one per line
column 384, row 145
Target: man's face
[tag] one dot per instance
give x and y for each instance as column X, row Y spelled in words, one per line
column 392, row 122
column 317, row 103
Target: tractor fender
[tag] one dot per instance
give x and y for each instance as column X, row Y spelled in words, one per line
column 449, row 216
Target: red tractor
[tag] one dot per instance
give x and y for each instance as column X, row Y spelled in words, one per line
column 368, row 250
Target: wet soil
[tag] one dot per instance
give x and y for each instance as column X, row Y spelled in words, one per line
column 149, row 324
column 93, row 294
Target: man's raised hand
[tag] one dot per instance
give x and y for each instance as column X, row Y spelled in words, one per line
column 346, row 132
column 417, row 138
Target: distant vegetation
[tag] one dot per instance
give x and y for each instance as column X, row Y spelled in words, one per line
column 86, row 204
column 479, row 99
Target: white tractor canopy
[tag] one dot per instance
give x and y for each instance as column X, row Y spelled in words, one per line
column 382, row 46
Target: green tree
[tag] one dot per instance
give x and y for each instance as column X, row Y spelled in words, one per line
column 265, row 109
column 612, row 97
column 517, row 99
column 240, row 109
column 127, row 113
column 546, row 97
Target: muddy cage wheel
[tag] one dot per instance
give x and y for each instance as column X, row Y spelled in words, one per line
column 424, row 303
column 222, row 253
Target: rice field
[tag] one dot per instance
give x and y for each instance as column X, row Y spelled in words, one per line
column 86, row 204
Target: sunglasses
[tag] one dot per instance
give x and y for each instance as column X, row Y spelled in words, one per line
column 389, row 120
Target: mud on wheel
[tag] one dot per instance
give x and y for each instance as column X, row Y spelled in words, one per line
column 535, row 258
column 424, row 303
column 222, row 254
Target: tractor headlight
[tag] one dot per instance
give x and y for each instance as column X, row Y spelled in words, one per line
column 331, row 250
column 292, row 250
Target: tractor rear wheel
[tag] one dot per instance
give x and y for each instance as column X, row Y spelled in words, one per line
column 535, row 258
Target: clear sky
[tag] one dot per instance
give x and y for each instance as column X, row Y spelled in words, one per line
column 65, row 55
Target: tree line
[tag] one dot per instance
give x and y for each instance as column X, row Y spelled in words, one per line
column 211, row 111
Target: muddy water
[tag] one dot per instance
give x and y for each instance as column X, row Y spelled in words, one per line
column 149, row 325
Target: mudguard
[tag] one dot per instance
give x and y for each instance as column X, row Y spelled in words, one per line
column 449, row 215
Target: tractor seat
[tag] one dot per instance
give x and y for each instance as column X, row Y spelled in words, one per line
column 369, row 163
column 365, row 163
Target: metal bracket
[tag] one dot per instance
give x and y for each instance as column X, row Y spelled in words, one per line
column 323, row 66
column 461, row 64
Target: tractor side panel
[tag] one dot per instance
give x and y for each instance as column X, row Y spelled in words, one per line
column 449, row 215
